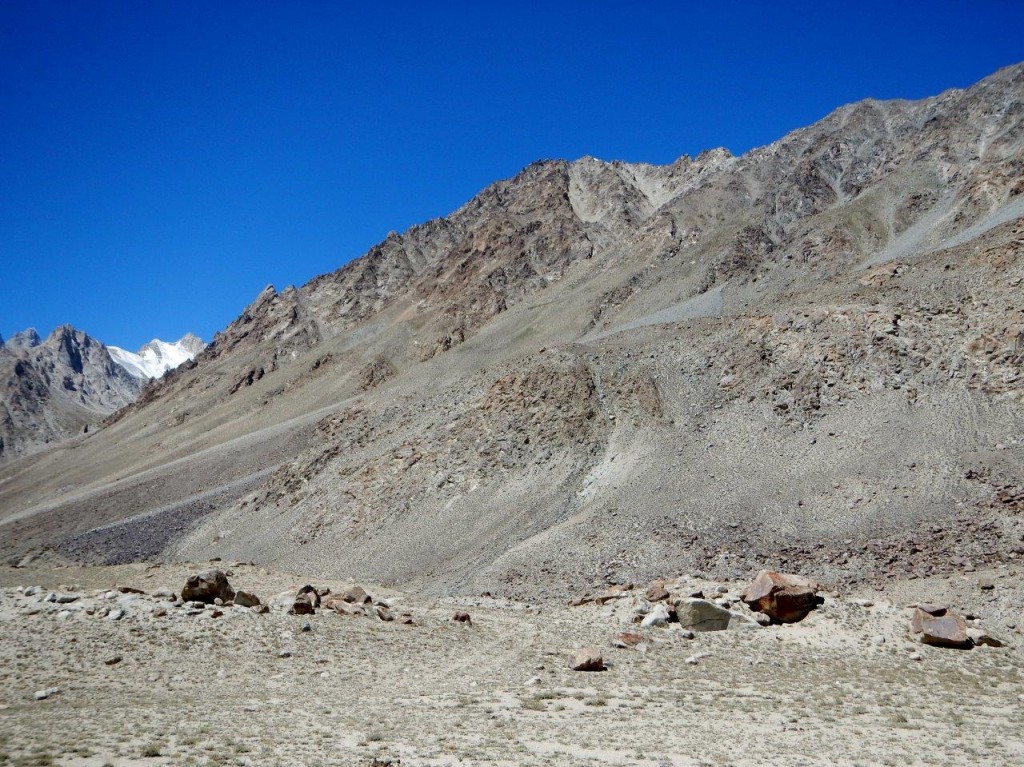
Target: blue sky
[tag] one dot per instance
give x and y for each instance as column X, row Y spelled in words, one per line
column 160, row 162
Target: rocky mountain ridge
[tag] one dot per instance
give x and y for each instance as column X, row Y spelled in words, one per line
column 69, row 382
column 603, row 370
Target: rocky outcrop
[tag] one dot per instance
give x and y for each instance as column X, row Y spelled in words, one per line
column 208, row 586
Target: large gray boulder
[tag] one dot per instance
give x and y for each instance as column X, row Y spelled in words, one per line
column 702, row 615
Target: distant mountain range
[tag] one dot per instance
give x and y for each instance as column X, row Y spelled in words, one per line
column 54, row 388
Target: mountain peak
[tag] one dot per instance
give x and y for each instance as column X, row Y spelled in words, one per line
column 23, row 339
column 155, row 358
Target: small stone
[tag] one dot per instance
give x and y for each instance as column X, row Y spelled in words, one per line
column 878, row 639
column 49, row 692
column 693, row 660
column 307, row 626
column 116, row 614
column 159, row 612
column 461, row 616
column 113, row 660
column 406, row 619
column 284, row 654
column 915, row 656
column 986, row 585
column 64, row 599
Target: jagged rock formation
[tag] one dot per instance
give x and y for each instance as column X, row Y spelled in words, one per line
column 802, row 356
column 62, row 386
column 55, row 388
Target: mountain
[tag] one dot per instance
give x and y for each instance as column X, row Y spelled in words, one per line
column 54, row 389
column 806, row 357
column 23, row 339
column 157, row 357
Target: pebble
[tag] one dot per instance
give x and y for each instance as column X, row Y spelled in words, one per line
column 49, row 692
column 878, row 639
column 693, row 660
column 284, row 654
column 915, row 656
column 113, row 660
column 307, row 626
column 116, row 614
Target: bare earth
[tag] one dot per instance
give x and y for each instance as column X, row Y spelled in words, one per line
column 210, row 691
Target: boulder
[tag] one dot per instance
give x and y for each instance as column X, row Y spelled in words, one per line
column 980, row 636
column 246, row 599
column 356, row 595
column 305, row 603
column 586, row 659
column 312, row 593
column 658, row 616
column 702, row 615
column 656, row 592
column 784, row 598
column 341, row 607
column 627, row 639
column 946, row 630
column 206, row 587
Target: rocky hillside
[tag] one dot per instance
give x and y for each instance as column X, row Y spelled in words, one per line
column 806, row 357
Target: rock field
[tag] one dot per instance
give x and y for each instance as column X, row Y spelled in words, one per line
column 107, row 665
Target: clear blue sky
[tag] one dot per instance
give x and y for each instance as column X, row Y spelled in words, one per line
column 160, row 162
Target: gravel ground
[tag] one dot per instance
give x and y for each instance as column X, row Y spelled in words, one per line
column 195, row 689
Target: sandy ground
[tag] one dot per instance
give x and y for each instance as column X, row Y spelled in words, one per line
column 194, row 689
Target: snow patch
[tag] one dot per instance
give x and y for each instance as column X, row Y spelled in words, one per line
column 157, row 357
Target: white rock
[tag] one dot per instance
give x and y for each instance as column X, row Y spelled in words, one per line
column 49, row 692
column 658, row 616
column 116, row 614
column 878, row 639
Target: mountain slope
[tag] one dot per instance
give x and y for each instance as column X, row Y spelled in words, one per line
column 808, row 356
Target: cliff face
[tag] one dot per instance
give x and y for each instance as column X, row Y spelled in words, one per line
column 56, row 388
column 613, row 369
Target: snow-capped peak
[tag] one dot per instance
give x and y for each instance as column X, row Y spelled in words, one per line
column 157, row 357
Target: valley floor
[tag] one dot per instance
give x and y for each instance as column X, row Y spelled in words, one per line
column 844, row 687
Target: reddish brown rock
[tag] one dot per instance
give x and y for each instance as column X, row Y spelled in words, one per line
column 947, row 630
column 305, row 604
column 406, row 619
column 462, row 617
column 656, row 592
column 627, row 639
column 586, row 659
column 783, row 598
